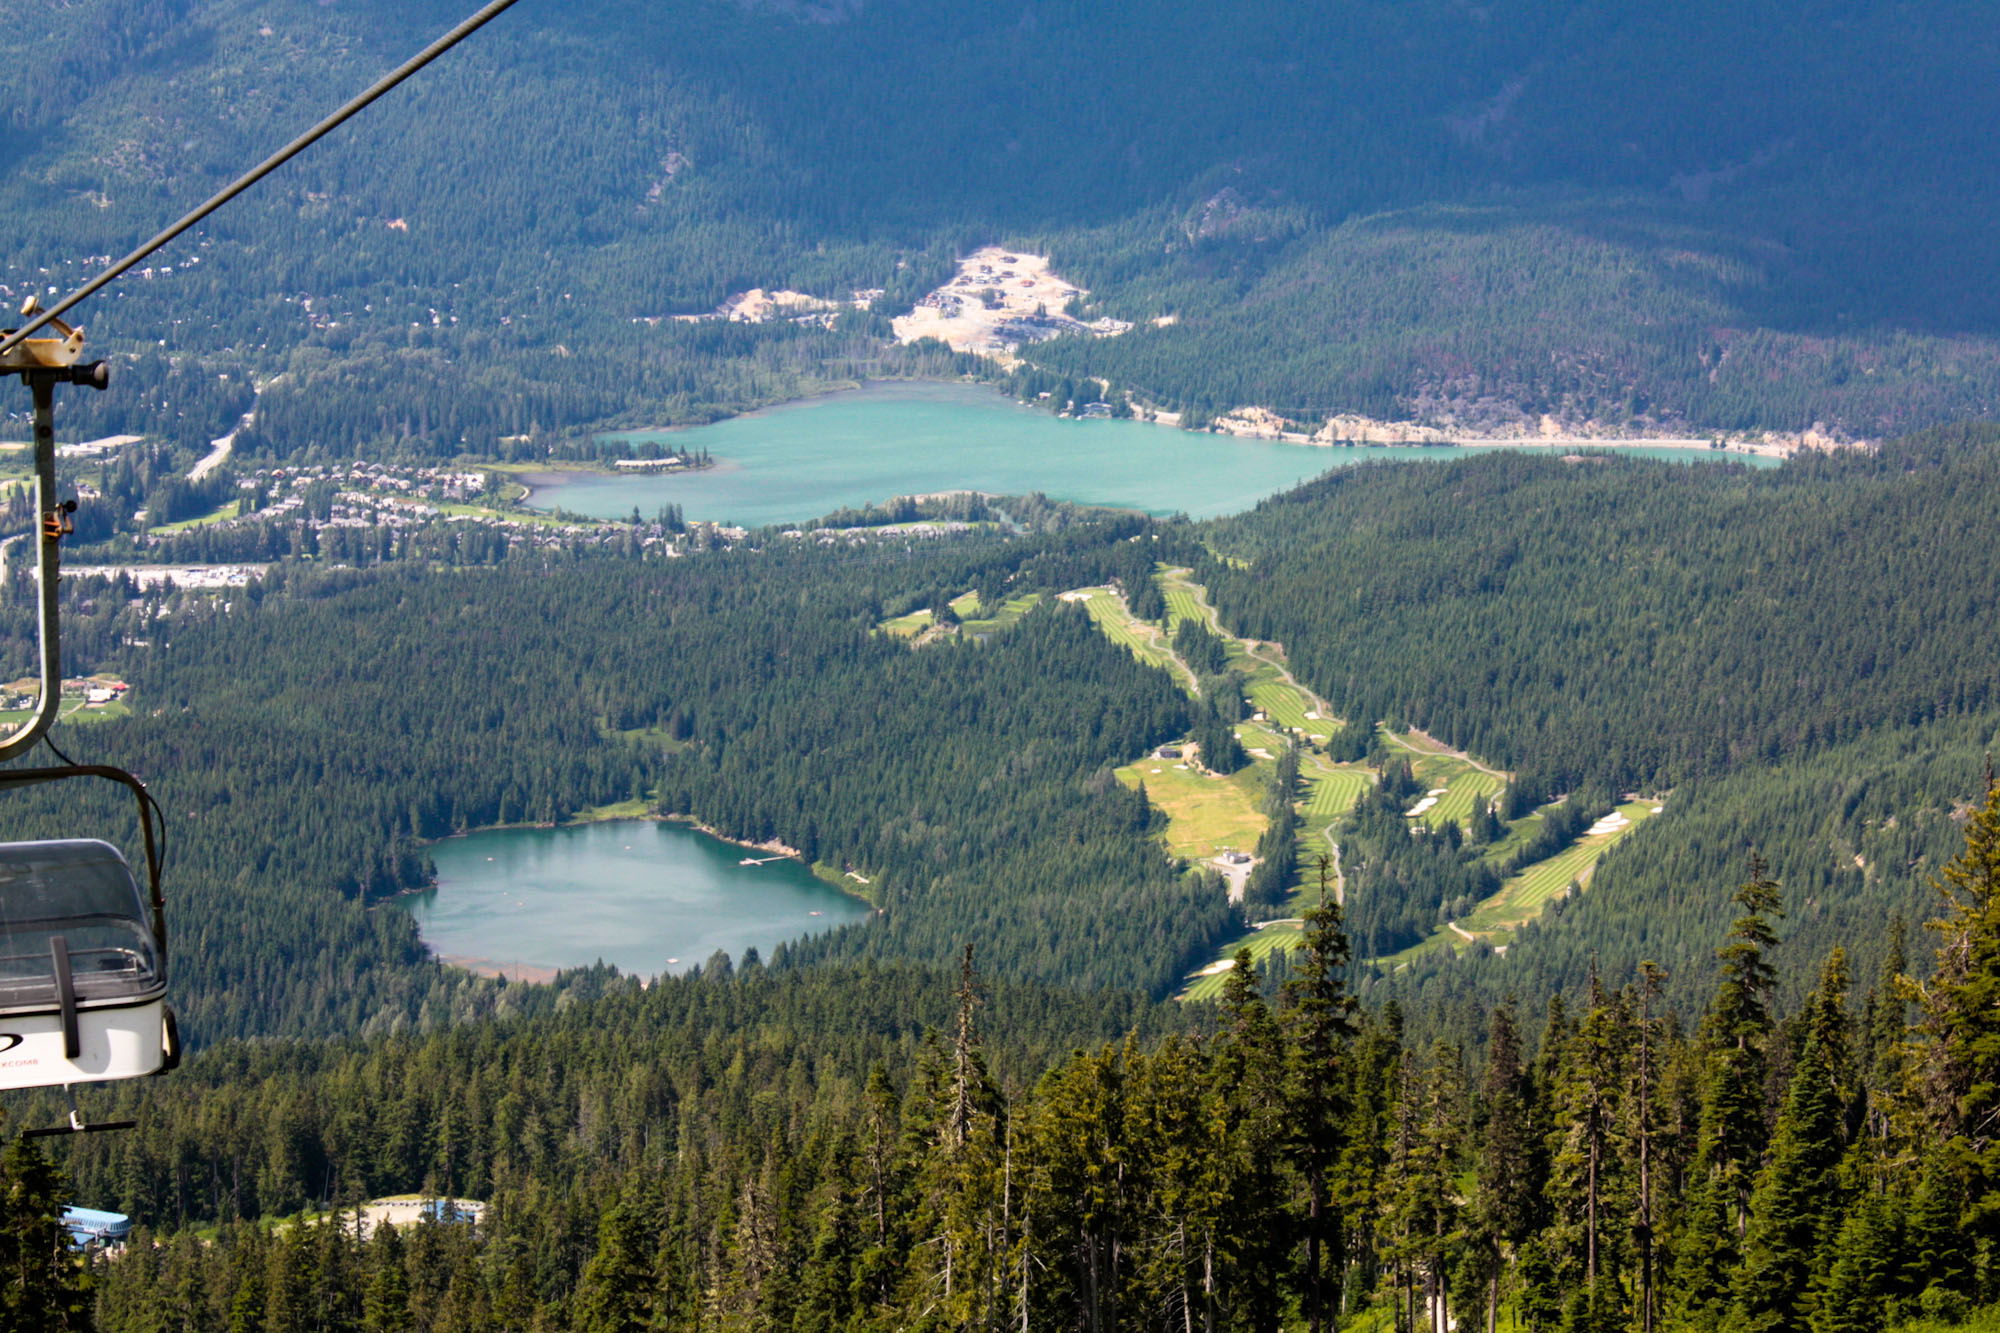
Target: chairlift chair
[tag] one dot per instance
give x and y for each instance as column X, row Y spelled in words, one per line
column 83, row 957
column 83, row 951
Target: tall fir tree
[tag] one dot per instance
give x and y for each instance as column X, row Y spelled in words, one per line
column 1248, row 1072
column 1644, row 1132
column 1961, row 1022
column 617, row 1290
column 47, row 1283
column 1319, row 1027
column 1508, row 1175
column 1798, row 1198
column 1735, row 1032
column 1587, row 1153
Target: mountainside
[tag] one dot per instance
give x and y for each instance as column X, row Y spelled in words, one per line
column 1366, row 778
column 1722, row 217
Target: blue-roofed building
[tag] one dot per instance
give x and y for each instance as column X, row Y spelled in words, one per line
column 88, row 1226
column 452, row 1210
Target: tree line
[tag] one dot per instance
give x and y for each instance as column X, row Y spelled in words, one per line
column 743, row 1147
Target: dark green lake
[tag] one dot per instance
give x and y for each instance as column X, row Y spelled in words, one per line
column 646, row 896
column 805, row 459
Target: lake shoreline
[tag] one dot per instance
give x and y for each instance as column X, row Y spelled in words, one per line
column 785, row 464
column 771, row 845
column 524, row 952
column 584, row 819
column 1242, row 425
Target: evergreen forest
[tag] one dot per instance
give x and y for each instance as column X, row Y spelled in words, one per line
column 1547, row 892
column 1332, row 1140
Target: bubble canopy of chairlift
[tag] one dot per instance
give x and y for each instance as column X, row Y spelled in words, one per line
column 79, row 891
column 83, row 957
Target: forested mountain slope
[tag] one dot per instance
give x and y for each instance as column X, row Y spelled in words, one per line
column 308, row 741
column 1798, row 656
column 796, row 1150
column 723, row 1145
column 1351, row 207
column 1619, row 623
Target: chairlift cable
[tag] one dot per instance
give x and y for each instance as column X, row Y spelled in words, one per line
column 261, row 170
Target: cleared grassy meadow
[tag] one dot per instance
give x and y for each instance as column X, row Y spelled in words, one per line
column 1182, row 604
column 1466, row 783
column 1332, row 789
column 1522, row 898
column 909, row 626
column 222, row 513
column 1525, row 895
column 1144, row 639
column 1261, row 943
column 967, row 607
column 1008, row 613
column 1264, row 684
column 1205, row 815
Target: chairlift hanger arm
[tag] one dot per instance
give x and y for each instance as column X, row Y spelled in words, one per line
column 52, row 524
column 13, row 338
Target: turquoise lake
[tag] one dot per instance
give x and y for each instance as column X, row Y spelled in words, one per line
column 804, row 459
column 646, row 896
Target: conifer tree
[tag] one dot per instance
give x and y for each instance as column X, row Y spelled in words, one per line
column 289, row 1283
column 1248, row 1075
column 46, row 1284
column 957, row 1178
column 1889, row 1116
column 757, row 1275
column 1730, row 1137
column 1434, row 1214
column 1319, row 1026
column 1644, row 1134
column 1734, row 1033
column 385, row 1305
column 1961, row 1022
column 875, row 1268
column 1704, row 1257
column 1538, row 1269
column 1586, row 1151
column 1075, row 1158
column 830, row 1278
column 1938, row 1255
column 1401, row 1199
column 1365, row 1178
column 1863, row 1268
column 1798, row 1196
column 616, row 1291
column 1183, row 1163
column 1508, row 1184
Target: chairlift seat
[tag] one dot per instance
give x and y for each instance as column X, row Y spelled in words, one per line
column 82, row 974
